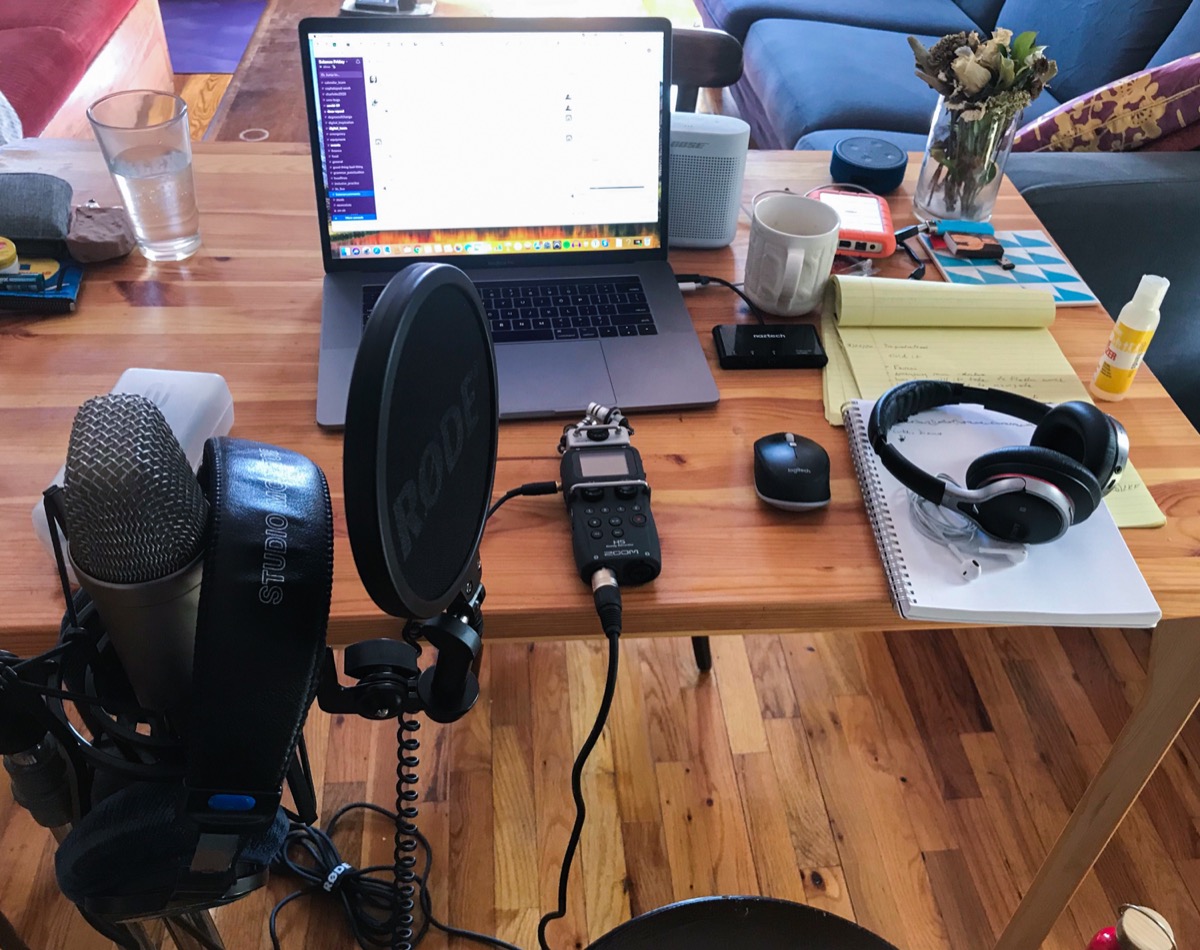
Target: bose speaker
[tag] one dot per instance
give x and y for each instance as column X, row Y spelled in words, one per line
column 708, row 163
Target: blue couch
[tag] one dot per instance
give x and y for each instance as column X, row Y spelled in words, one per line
column 819, row 70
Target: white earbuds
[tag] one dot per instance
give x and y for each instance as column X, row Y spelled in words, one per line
column 969, row 564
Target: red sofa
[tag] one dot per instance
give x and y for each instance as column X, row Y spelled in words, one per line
column 58, row 56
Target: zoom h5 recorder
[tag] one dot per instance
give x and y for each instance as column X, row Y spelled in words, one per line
column 608, row 499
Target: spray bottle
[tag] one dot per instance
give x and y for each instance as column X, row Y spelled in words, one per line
column 1130, row 337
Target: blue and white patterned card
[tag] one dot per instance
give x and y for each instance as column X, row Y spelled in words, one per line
column 1039, row 264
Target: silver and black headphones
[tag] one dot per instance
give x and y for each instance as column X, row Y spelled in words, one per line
column 1024, row 493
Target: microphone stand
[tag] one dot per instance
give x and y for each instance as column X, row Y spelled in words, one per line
column 391, row 685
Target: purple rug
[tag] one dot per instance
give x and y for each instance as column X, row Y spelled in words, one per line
column 209, row 36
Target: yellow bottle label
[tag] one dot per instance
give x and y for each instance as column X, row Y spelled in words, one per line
column 1121, row 359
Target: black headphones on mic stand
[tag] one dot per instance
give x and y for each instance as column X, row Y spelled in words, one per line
column 199, row 824
column 1023, row 493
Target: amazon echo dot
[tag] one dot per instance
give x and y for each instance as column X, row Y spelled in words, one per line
column 871, row 163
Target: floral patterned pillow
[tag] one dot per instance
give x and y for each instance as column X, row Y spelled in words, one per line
column 1155, row 109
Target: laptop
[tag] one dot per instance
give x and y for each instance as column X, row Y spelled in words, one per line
column 531, row 153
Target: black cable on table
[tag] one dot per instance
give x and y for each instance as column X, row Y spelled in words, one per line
column 703, row 280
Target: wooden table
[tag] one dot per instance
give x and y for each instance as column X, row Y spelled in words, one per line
column 248, row 307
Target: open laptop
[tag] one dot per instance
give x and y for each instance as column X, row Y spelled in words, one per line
column 532, row 153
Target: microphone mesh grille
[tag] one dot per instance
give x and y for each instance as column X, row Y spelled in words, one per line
column 134, row 509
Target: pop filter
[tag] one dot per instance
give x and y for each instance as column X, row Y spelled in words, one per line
column 419, row 456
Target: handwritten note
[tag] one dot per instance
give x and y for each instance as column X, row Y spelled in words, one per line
column 1024, row 361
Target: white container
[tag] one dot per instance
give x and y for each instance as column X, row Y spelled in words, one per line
column 1130, row 337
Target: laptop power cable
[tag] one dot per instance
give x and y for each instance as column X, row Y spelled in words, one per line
column 689, row 282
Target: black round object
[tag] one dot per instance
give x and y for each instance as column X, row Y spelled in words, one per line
column 419, row 455
column 870, row 162
column 719, row 923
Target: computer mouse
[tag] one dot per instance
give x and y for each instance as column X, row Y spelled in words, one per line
column 791, row 472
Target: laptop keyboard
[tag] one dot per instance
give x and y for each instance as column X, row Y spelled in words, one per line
column 528, row 311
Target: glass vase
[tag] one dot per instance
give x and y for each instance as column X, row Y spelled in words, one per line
column 963, row 164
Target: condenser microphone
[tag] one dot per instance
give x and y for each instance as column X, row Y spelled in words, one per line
column 136, row 519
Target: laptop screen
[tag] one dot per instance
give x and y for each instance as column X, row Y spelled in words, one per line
column 456, row 143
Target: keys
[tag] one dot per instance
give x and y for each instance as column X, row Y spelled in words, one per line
column 564, row 310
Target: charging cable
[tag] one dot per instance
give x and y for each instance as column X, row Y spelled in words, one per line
column 689, row 282
column 960, row 535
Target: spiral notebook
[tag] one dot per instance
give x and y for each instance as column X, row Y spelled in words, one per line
column 1086, row 578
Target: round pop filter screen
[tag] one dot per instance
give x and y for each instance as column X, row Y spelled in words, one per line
column 419, row 456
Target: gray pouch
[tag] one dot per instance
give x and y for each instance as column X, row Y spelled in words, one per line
column 35, row 212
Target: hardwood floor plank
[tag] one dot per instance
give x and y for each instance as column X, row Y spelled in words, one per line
column 601, row 862
column 515, row 827
column 688, row 852
column 202, row 92
column 966, row 921
column 715, row 802
column 803, row 799
column 944, row 700
column 920, row 783
column 555, row 751
column 739, row 699
column 898, row 855
column 772, row 684
column 647, row 864
column 1047, row 813
column 825, row 889
column 766, row 821
column 875, row 903
column 472, row 852
column 633, row 759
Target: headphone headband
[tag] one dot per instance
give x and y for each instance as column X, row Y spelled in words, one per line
column 264, row 605
column 907, row 399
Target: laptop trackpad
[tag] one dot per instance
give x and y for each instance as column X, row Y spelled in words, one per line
column 537, row 379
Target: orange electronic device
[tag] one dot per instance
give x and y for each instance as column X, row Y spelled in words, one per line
column 866, row 229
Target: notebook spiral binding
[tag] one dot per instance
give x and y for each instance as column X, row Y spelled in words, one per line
column 882, row 523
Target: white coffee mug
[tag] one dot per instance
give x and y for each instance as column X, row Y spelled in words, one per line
column 793, row 240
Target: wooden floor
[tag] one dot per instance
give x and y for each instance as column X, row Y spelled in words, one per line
column 203, row 91
column 909, row 781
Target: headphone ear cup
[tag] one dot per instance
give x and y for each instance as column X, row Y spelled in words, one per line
column 1082, row 432
column 133, row 845
column 1025, row 516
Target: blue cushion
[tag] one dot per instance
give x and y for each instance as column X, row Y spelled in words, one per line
column 1094, row 41
column 921, row 16
column 802, row 76
column 983, row 12
column 810, row 76
column 825, row 139
column 1184, row 39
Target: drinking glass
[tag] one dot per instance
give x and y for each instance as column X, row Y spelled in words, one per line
column 144, row 137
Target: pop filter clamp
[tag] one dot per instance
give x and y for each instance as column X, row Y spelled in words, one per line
column 419, row 458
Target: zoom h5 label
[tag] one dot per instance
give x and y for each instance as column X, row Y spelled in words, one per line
column 608, row 499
